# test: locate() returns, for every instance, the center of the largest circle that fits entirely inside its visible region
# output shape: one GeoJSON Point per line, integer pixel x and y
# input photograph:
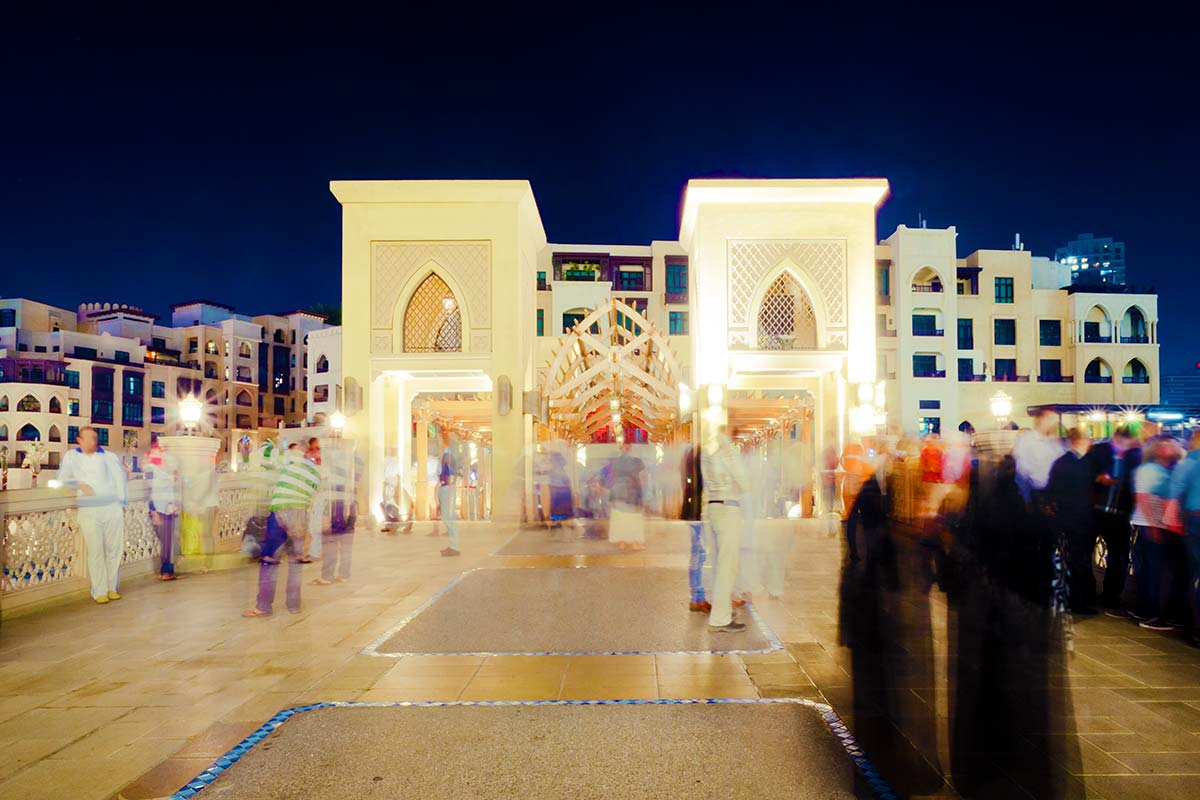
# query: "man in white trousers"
{"type": "Point", "coordinates": [99, 478]}
{"type": "Point", "coordinates": [724, 486]}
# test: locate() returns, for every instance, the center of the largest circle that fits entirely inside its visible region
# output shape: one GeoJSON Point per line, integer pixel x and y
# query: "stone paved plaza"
{"type": "Point", "coordinates": [134, 699]}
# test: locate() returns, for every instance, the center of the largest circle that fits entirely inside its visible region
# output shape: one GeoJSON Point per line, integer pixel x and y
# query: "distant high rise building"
{"type": "Point", "coordinates": [1093, 259]}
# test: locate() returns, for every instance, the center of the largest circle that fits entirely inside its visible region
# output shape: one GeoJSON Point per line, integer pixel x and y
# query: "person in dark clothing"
{"type": "Point", "coordinates": [693, 511]}
{"type": "Point", "coordinates": [1113, 464]}
{"type": "Point", "coordinates": [1069, 493]}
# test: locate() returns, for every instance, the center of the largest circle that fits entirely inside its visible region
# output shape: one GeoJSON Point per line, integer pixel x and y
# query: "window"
{"type": "Point", "coordinates": [244, 350]}
{"type": "Point", "coordinates": [678, 323]}
{"type": "Point", "coordinates": [883, 281]}
{"type": "Point", "coordinates": [158, 344]}
{"type": "Point", "coordinates": [243, 374]}
{"type": "Point", "coordinates": [321, 393]}
{"type": "Point", "coordinates": [541, 322]}
{"type": "Point", "coordinates": [102, 381]}
{"type": "Point", "coordinates": [966, 334]}
{"type": "Point", "coordinates": [323, 364]}
{"type": "Point", "coordinates": [134, 384]}
{"type": "Point", "coordinates": [72, 379]}
{"type": "Point", "coordinates": [631, 279]}
{"type": "Point", "coordinates": [1091, 332]}
{"type": "Point", "coordinates": [925, 366]}
{"type": "Point", "coordinates": [55, 406]}
{"type": "Point", "coordinates": [926, 405]}
{"type": "Point", "coordinates": [102, 436]}
{"type": "Point", "coordinates": [158, 415]}
{"type": "Point", "coordinates": [927, 426]}
{"type": "Point", "coordinates": [541, 282]}
{"type": "Point", "coordinates": [102, 411]}
{"type": "Point", "coordinates": [1005, 331]}
{"type": "Point", "coordinates": [73, 408]}
{"type": "Point", "coordinates": [1050, 332]}
{"type": "Point", "coordinates": [39, 348]}
{"type": "Point", "coordinates": [158, 389]}
{"type": "Point", "coordinates": [279, 407]}
{"type": "Point", "coordinates": [8, 318]}
{"type": "Point", "coordinates": [1050, 370]}
{"type": "Point", "coordinates": [1006, 369]}
{"type": "Point", "coordinates": [72, 434]}
{"type": "Point", "coordinates": [1004, 290]}
{"type": "Point", "coordinates": [580, 270]}
{"type": "Point", "coordinates": [1135, 372]}
{"type": "Point", "coordinates": [84, 352]}
{"type": "Point", "coordinates": [121, 357]}
{"type": "Point", "coordinates": [966, 369]}
{"type": "Point", "coordinates": [677, 278]}
{"type": "Point", "coordinates": [193, 345]}
{"type": "Point", "coordinates": [131, 412]}
{"type": "Point", "coordinates": [29, 404]}
{"type": "Point", "coordinates": [571, 319]}
{"type": "Point", "coordinates": [924, 325]}
{"type": "Point", "coordinates": [210, 347]}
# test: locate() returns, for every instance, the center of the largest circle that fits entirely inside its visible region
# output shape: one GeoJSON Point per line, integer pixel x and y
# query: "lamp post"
{"type": "Point", "coordinates": [1001, 404]}
{"type": "Point", "coordinates": [189, 413]}
{"type": "Point", "coordinates": [338, 423]}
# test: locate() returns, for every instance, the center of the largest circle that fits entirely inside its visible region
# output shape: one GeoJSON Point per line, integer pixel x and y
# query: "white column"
{"type": "Point", "coordinates": [375, 438]}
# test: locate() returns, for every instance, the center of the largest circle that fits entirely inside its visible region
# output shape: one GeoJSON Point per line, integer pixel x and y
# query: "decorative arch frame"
{"type": "Point", "coordinates": [936, 273]}
{"type": "Point", "coordinates": [418, 277]}
{"type": "Point", "coordinates": [54, 434]}
{"type": "Point", "coordinates": [1132, 307]}
{"type": "Point", "coordinates": [1130, 371]}
{"type": "Point", "coordinates": [55, 405]}
{"type": "Point", "coordinates": [37, 403]}
{"type": "Point", "coordinates": [3, 402]}
{"type": "Point", "coordinates": [820, 313]}
{"type": "Point", "coordinates": [322, 364]}
{"type": "Point", "coordinates": [3, 432]}
{"type": "Point", "coordinates": [28, 426]}
{"type": "Point", "coordinates": [1103, 364]}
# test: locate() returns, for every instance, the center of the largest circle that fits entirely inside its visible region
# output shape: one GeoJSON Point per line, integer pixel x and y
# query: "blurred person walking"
{"type": "Point", "coordinates": [1068, 493]}
{"type": "Point", "coordinates": [724, 485]}
{"type": "Point", "coordinates": [298, 481]}
{"type": "Point", "coordinates": [627, 526]}
{"type": "Point", "coordinates": [1113, 464]}
{"type": "Point", "coordinates": [448, 482]}
{"type": "Point", "coordinates": [98, 478]}
{"type": "Point", "coordinates": [313, 533]}
{"type": "Point", "coordinates": [1034, 454]}
{"type": "Point", "coordinates": [163, 474]}
{"type": "Point", "coordinates": [1185, 520]}
{"type": "Point", "coordinates": [1157, 551]}
{"type": "Point", "coordinates": [693, 512]}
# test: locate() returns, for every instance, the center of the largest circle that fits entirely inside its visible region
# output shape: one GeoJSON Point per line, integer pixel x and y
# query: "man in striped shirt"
{"type": "Point", "coordinates": [296, 485]}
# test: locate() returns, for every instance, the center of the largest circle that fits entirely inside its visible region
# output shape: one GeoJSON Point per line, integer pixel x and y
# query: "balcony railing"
{"type": "Point", "coordinates": [928, 287]}
{"type": "Point", "coordinates": [1005, 378]}
{"type": "Point", "coordinates": [675, 298]}
{"type": "Point", "coordinates": [1136, 379]}
{"type": "Point", "coordinates": [930, 332]}
{"type": "Point", "coordinates": [1135, 339]}
{"type": "Point", "coordinates": [971, 378]}
{"type": "Point", "coordinates": [1056, 378]}
{"type": "Point", "coordinates": [1097, 378]}
{"type": "Point", "coordinates": [929, 373]}
{"type": "Point", "coordinates": [1095, 338]}
{"type": "Point", "coordinates": [543, 286]}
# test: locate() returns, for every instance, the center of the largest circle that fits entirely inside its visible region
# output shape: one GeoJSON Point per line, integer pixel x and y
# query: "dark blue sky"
{"type": "Point", "coordinates": [151, 174]}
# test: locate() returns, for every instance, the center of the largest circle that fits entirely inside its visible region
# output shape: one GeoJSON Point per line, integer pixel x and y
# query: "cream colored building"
{"type": "Point", "coordinates": [955, 331]}
{"type": "Point", "coordinates": [446, 286]}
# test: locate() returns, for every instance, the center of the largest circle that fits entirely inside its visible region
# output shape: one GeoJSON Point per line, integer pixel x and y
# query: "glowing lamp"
{"type": "Point", "coordinates": [190, 410]}
{"type": "Point", "coordinates": [715, 393]}
{"type": "Point", "coordinates": [1001, 404]}
{"type": "Point", "coordinates": [337, 421]}
{"type": "Point", "coordinates": [865, 393]}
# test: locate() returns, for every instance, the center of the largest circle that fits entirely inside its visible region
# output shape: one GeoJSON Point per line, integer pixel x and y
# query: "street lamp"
{"type": "Point", "coordinates": [189, 413]}
{"type": "Point", "coordinates": [337, 421]}
{"type": "Point", "coordinates": [1001, 403]}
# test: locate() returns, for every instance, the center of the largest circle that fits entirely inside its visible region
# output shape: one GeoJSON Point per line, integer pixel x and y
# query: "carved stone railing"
{"type": "Point", "coordinates": [42, 553]}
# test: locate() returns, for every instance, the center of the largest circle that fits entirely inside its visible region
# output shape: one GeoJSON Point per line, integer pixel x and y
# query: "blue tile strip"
{"type": "Point", "coordinates": [879, 785]}
{"type": "Point", "coordinates": [773, 642]}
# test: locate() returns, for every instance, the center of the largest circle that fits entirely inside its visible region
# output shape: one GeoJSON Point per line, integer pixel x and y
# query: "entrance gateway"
{"type": "Point", "coordinates": [467, 325]}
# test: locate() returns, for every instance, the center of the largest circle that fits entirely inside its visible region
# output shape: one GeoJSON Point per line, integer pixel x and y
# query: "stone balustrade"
{"type": "Point", "coordinates": [42, 550]}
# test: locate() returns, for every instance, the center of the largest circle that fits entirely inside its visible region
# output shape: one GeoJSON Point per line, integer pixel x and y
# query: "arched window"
{"type": "Point", "coordinates": [1097, 371]}
{"type": "Point", "coordinates": [432, 321]}
{"type": "Point", "coordinates": [1097, 327]}
{"type": "Point", "coordinates": [243, 398]}
{"type": "Point", "coordinates": [1133, 327]}
{"type": "Point", "coordinates": [55, 405]}
{"type": "Point", "coordinates": [244, 350]}
{"type": "Point", "coordinates": [279, 336]}
{"type": "Point", "coordinates": [30, 404]}
{"type": "Point", "coordinates": [322, 364]}
{"type": "Point", "coordinates": [3, 402]}
{"type": "Point", "coordinates": [3, 433]}
{"type": "Point", "coordinates": [55, 434]}
{"type": "Point", "coordinates": [1135, 372]}
{"type": "Point", "coordinates": [28, 433]}
{"type": "Point", "coordinates": [966, 427]}
{"type": "Point", "coordinates": [786, 320]}
{"type": "Point", "coordinates": [927, 280]}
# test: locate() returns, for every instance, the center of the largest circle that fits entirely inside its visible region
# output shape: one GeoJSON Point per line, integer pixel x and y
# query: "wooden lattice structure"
{"type": "Point", "coordinates": [613, 353]}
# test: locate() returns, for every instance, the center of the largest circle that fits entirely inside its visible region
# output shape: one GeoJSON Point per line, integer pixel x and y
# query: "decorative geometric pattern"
{"type": "Point", "coordinates": [39, 548]}
{"type": "Point", "coordinates": [236, 508]}
{"type": "Point", "coordinates": [381, 343]}
{"type": "Point", "coordinates": [879, 785]}
{"type": "Point", "coordinates": [395, 262]}
{"type": "Point", "coordinates": [141, 542]}
{"type": "Point", "coordinates": [786, 320]}
{"type": "Point", "coordinates": [821, 261]}
{"type": "Point", "coordinates": [481, 342]}
{"type": "Point", "coordinates": [432, 322]}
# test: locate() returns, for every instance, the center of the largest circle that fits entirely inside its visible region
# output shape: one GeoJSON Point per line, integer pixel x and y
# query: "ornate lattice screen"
{"type": "Point", "coordinates": [432, 321]}
{"type": "Point", "coordinates": [786, 320]}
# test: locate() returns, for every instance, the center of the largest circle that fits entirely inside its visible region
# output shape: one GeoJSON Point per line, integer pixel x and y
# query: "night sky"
{"type": "Point", "coordinates": [149, 170]}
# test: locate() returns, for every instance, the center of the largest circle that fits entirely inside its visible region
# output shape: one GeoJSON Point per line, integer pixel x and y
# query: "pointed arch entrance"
{"type": "Point", "coordinates": [432, 319]}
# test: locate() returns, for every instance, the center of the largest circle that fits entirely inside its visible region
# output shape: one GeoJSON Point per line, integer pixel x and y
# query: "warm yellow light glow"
{"type": "Point", "coordinates": [865, 393]}
{"type": "Point", "coordinates": [189, 411]}
{"type": "Point", "coordinates": [716, 392]}
{"type": "Point", "coordinates": [881, 395]}
{"type": "Point", "coordinates": [862, 419]}
{"type": "Point", "coordinates": [685, 400]}
{"type": "Point", "coordinates": [1001, 404]}
{"type": "Point", "coordinates": [337, 421]}
{"type": "Point", "coordinates": [581, 455]}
